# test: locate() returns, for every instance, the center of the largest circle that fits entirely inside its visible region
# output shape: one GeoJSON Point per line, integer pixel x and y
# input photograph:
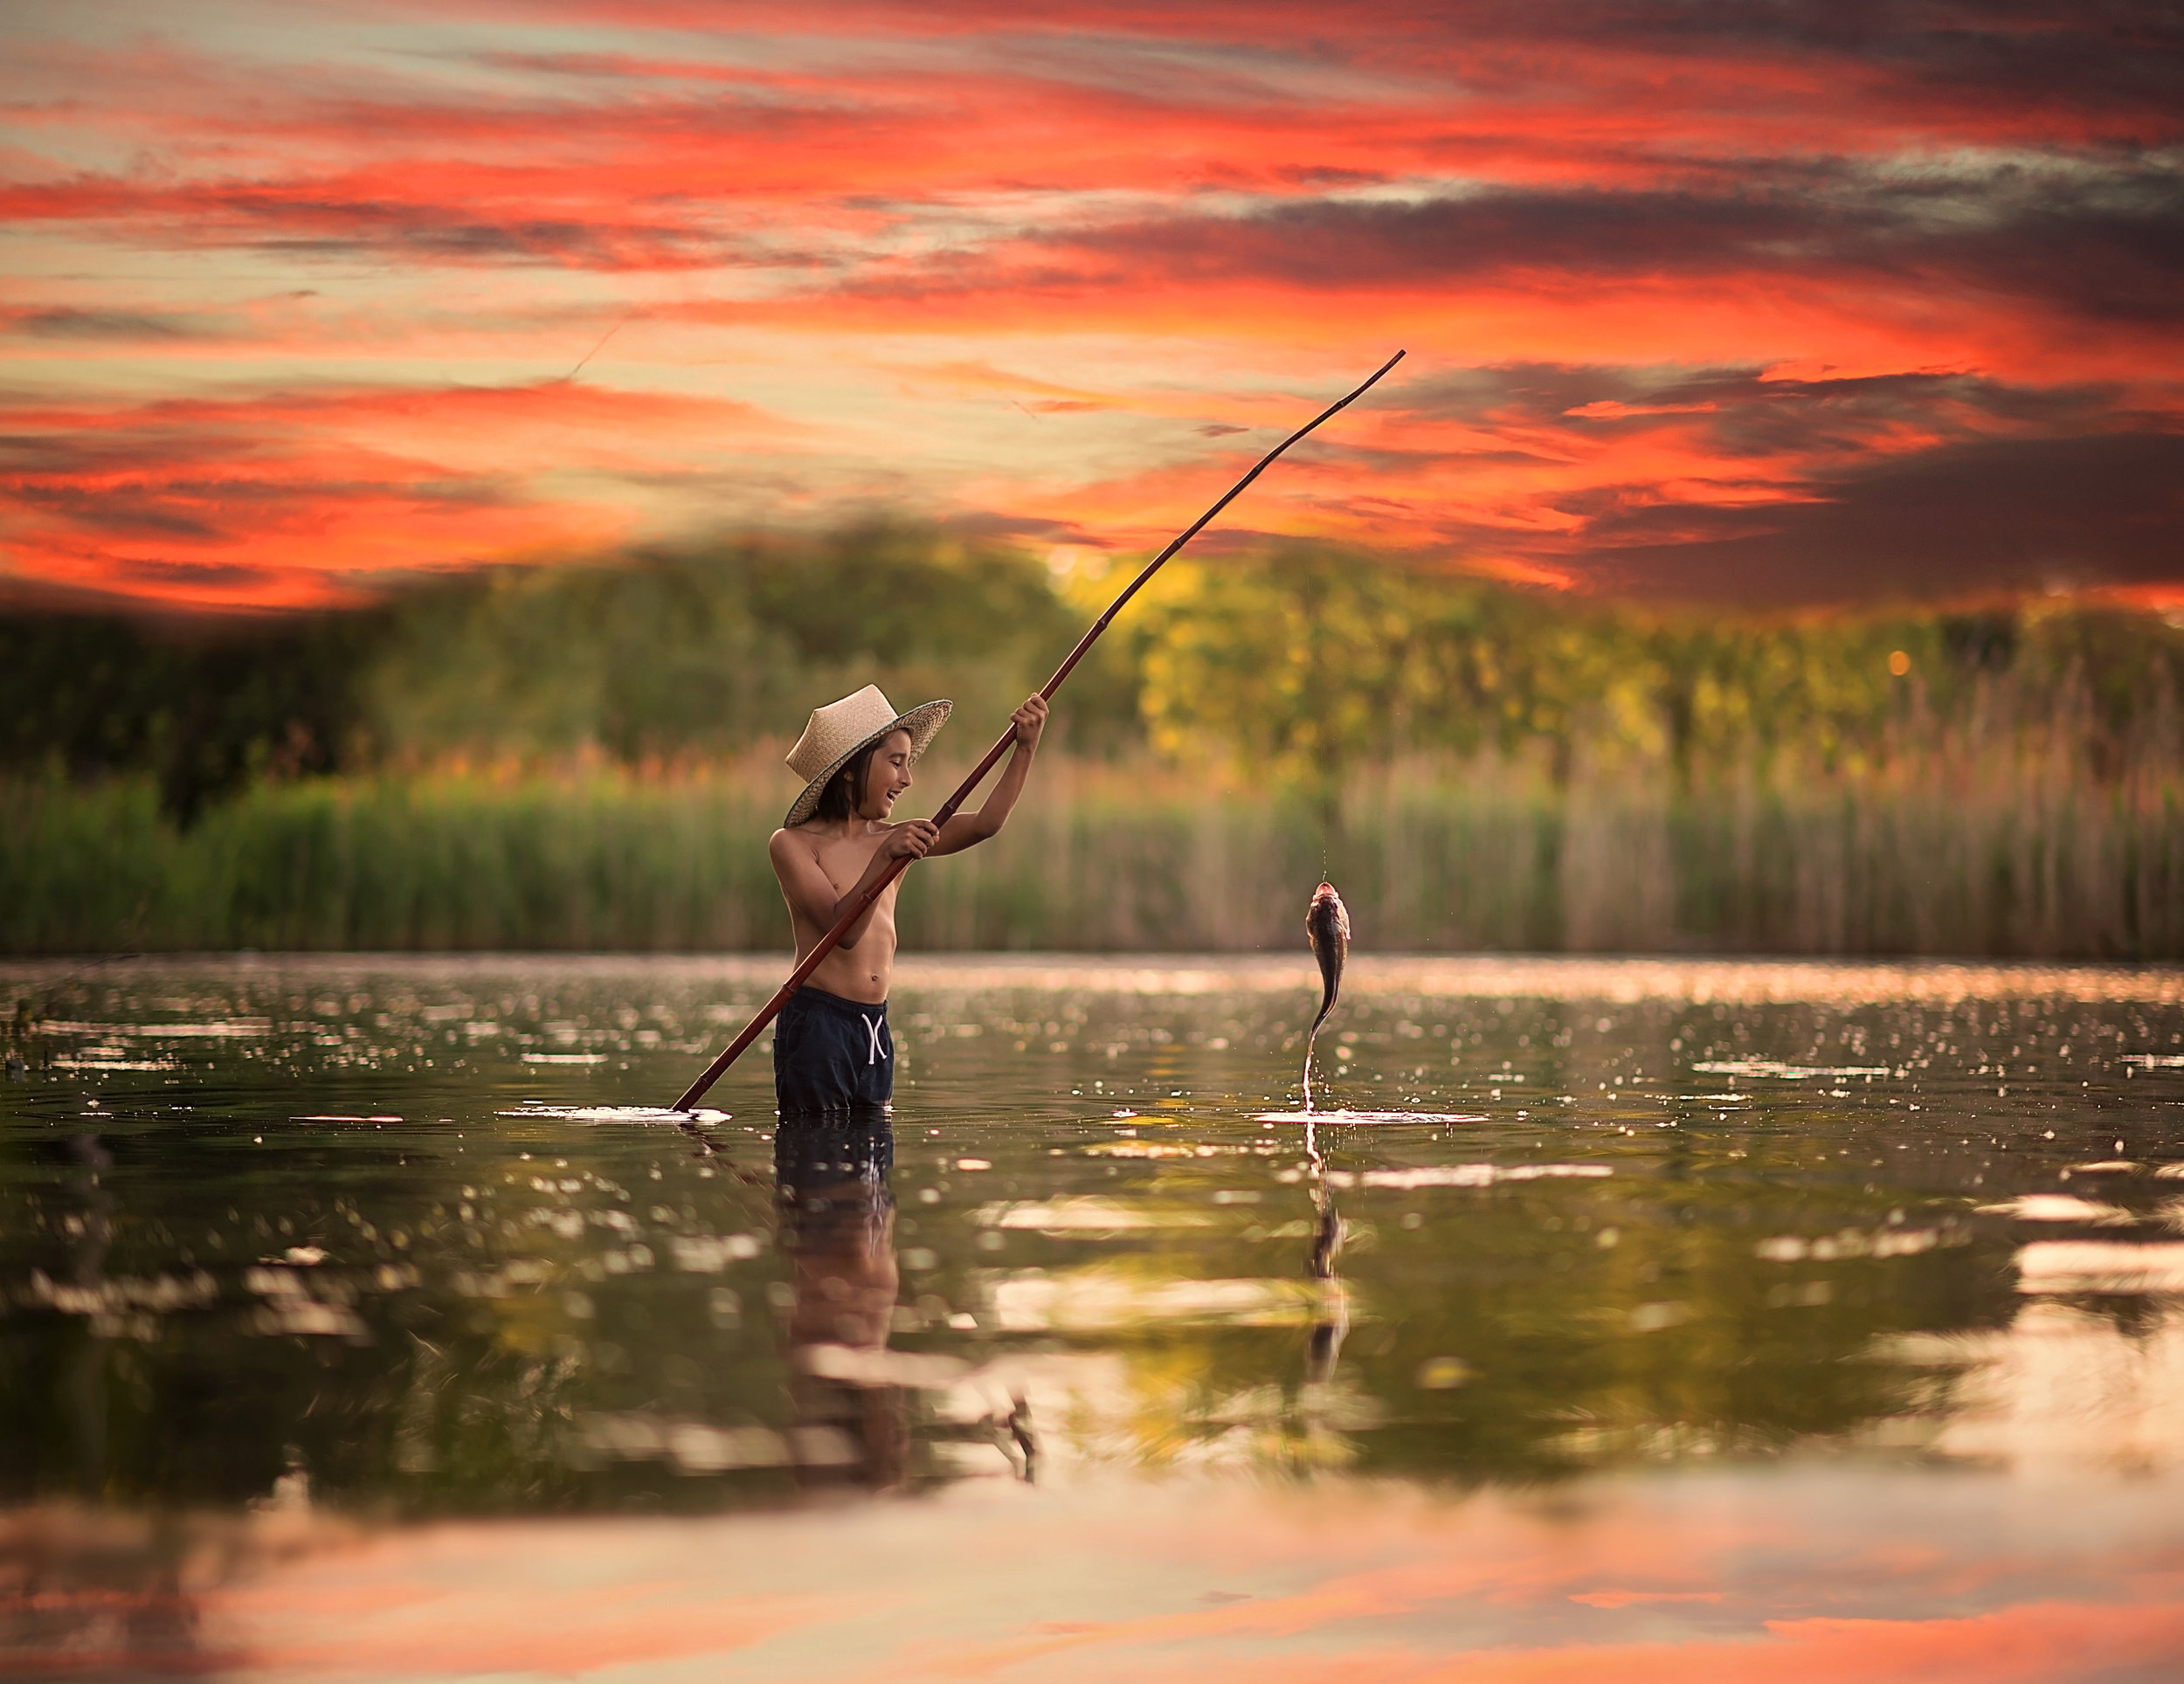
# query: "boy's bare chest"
{"type": "Point", "coordinates": [844, 862]}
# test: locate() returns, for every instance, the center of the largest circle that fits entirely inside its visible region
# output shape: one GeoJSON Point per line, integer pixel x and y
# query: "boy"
{"type": "Point", "coordinates": [831, 1045]}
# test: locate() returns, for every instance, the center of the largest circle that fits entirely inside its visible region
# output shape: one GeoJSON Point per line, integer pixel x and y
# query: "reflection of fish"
{"type": "Point", "coordinates": [1326, 1244]}
{"type": "Point", "coordinates": [1330, 1320]}
{"type": "Point", "coordinates": [1327, 922]}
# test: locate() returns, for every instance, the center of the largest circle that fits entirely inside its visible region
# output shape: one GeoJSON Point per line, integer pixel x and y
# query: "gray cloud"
{"type": "Point", "coordinates": [123, 325]}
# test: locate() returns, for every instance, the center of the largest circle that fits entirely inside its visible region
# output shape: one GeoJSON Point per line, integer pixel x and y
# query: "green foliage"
{"type": "Point", "coordinates": [1478, 765]}
{"type": "Point", "coordinates": [2019, 858]}
{"type": "Point", "coordinates": [665, 654]}
{"type": "Point", "coordinates": [1298, 665]}
{"type": "Point", "coordinates": [205, 708]}
{"type": "Point", "coordinates": [1307, 663]}
{"type": "Point", "coordinates": [703, 652]}
{"type": "Point", "coordinates": [1302, 662]}
{"type": "Point", "coordinates": [390, 863]}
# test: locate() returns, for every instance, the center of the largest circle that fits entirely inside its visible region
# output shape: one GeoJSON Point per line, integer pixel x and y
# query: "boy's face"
{"type": "Point", "coordinates": [888, 776]}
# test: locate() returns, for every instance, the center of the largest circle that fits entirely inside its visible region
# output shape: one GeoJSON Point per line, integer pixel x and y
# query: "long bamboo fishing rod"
{"type": "Point", "coordinates": [826, 943]}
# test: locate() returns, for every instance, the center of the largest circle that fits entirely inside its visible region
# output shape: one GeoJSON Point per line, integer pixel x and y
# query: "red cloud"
{"type": "Point", "coordinates": [295, 500]}
{"type": "Point", "coordinates": [1105, 196]}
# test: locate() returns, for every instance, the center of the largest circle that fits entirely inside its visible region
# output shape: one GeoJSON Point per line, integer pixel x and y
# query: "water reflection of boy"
{"type": "Point", "coordinates": [837, 1228]}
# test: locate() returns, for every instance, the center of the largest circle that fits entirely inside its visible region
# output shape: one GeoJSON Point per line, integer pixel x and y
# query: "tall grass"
{"type": "Point", "coordinates": [439, 862]}
{"type": "Point", "coordinates": [1958, 848]}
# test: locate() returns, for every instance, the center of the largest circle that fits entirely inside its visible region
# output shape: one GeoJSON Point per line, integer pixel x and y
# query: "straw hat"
{"type": "Point", "coordinates": [838, 732]}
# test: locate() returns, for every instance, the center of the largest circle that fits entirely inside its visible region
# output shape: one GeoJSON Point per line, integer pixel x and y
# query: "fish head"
{"type": "Point", "coordinates": [1327, 915]}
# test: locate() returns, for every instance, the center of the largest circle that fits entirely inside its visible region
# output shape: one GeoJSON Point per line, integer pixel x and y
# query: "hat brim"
{"type": "Point", "coordinates": [923, 722]}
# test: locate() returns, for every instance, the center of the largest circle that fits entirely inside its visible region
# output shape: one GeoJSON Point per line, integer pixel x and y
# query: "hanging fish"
{"type": "Point", "coordinates": [1327, 923]}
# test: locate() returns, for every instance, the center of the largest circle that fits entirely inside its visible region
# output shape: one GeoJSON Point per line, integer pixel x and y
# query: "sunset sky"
{"type": "Point", "coordinates": [1764, 302]}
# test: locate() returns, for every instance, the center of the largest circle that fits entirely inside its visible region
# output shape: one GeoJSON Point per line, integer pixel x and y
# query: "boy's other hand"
{"type": "Point", "coordinates": [910, 840]}
{"type": "Point", "coordinates": [1030, 721]}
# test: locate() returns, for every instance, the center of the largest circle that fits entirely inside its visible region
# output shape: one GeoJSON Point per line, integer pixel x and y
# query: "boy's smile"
{"type": "Point", "coordinates": [887, 776]}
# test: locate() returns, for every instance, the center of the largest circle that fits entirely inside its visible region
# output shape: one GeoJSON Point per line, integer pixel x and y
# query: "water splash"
{"type": "Point", "coordinates": [640, 1114]}
{"type": "Point", "coordinates": [1333, 1119]}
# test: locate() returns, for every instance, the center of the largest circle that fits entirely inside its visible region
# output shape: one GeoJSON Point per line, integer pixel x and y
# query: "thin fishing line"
{"type": "Point", "coordinates": [601, 346]}
{"type": "Point", "coordinates": [812, 959]}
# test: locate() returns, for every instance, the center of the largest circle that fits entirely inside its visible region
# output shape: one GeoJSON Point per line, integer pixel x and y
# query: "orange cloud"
{"type": "Point", "coordinates": [294, 501]}
{"type": "Point", "coordinates": [1147, 225]}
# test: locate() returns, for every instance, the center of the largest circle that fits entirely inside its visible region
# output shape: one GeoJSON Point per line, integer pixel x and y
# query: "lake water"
{"type": "Point", "coordinates": [358, 1317]}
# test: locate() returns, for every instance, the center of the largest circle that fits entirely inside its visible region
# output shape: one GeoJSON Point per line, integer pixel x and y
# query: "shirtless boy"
{"type": "Point", "coordinates": [831, 1045]}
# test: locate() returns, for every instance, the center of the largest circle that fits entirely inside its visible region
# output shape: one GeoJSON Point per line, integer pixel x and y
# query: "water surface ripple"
{"type": "Point", "coordinates": [1654, 1304]}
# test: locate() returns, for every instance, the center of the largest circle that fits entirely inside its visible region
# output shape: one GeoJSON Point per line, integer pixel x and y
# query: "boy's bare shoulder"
{"type": "Point", "coordinates": [811, 838]}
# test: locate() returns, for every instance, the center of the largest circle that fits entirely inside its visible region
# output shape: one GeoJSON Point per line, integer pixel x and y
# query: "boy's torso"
{"type": "Point", "coordinates": [864, 971]}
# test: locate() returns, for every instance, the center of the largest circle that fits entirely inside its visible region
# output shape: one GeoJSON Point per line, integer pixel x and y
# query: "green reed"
{"type": "Point", "coordinates": [1949, 850]}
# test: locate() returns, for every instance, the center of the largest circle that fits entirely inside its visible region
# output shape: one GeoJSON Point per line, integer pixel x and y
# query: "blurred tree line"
{"type": "Point", "coordinates": [1311, 663]}
{"type": "Point", "coordinates": [659, 656]}
{"type": "Point", "coordinates": [203, 707]}
{"type": "Point", "coordinates": [1299, 661]}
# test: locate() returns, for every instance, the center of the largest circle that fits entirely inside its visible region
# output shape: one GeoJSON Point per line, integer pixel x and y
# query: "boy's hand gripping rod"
{"type": "Point", "coordinates": [797, 978]}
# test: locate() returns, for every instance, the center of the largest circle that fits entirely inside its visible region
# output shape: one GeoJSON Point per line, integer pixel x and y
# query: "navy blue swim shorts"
{"type": "Point", "coordinates": [830, 1053]}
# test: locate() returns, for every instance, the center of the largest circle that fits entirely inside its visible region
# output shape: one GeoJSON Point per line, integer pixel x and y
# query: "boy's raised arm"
{"type": "Point", "coordinates": [965, 830]}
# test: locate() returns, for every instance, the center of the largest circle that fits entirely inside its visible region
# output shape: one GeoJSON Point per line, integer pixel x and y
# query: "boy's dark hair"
{"type": "Point", "coordinates": [838, 800]}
